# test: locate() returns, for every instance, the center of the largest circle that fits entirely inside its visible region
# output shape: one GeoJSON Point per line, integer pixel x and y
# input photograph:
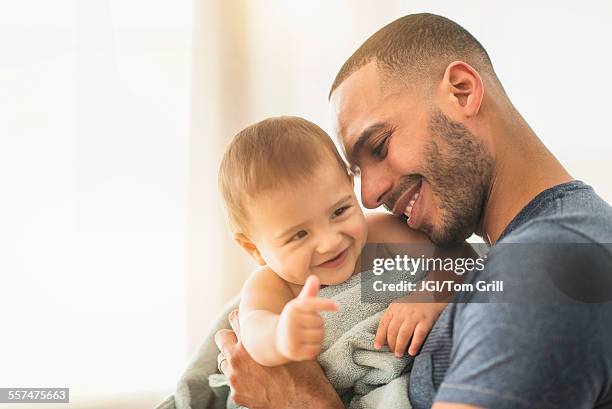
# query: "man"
{"type": "Point", "coordinates": [422, 116]}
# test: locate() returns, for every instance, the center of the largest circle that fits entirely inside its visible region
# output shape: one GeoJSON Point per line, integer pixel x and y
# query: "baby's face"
{"type": "Point", "coordinates": [315, 228]}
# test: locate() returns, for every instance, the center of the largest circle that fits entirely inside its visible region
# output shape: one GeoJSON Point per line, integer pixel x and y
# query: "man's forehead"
{"type": "Point", "coordinates": [355, 101]}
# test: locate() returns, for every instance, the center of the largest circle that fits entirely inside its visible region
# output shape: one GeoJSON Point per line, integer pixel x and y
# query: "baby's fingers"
{"type": "Point", "coordinates": [392, 331]}
{"type": "Point", "coordinates": [403, 337]}
{"type": "Point", "coordinates": [381, 333]}
{"type": "Point", "coordinates": [308, 352]}
{"type": "Point", "coordinates": [310, 320]}
{"type": "Point", "coordinates": [316, 304]}
{"type": "Point", "coordinates": [420, 333]}
{"type": "Point", "coordinates": [312, 336]}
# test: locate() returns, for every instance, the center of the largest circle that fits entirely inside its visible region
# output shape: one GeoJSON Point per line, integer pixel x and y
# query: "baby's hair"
{"type": "Point", "coordinates": [275, 153]}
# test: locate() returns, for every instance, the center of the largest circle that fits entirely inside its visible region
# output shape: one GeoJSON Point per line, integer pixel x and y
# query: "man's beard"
{"type": "Point", "coordinates": [458, 168]}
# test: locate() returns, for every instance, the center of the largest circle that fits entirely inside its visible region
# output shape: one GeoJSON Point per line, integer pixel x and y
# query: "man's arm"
{"type": "Point", "coordinates": [296, 385]}
{"type": "Point", "coordinates": [519, 356]}
{"type": "Point", "coordinates": [534, 350]}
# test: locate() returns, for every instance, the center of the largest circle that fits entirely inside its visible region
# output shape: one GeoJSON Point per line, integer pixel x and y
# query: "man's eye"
{"type": "Point", "coordinates": [299, 235]}
{"type": "Point", "coordinates": [340, 211]}
{"type": "Point", "coordinates": [380, 150]}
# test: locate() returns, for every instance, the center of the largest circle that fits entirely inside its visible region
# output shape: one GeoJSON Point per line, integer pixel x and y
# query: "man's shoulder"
{"type": "Point", "coordinates": [570, 213]}
{"type": "Point", "coordinates": [551, 242]}
{"type": "Point", "coordinates": [568, 228]}
{"type": "Point", "coordinates": [549, 262]}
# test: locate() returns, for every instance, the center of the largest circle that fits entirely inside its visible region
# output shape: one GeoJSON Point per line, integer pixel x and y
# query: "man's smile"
{"type": "Point", "coordinates": [404, 205]}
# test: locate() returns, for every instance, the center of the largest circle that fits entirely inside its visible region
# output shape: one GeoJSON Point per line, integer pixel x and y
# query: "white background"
{"type": "Point", "coordinates": [94, 132]}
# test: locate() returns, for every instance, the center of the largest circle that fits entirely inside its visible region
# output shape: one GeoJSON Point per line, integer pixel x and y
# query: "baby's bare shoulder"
{"type": "Point", "coordinates": [266, 290]}
{"type": "Point", "coordinates": [264, 278]}
{"type": "Point", "coordinates": [386, 228]}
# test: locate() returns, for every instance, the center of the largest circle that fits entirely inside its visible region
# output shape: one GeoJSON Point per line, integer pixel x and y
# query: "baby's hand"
{"type": "Point", "coordinates": [300, 327]}
{"type": "Point", "coordinates": [403, 321]}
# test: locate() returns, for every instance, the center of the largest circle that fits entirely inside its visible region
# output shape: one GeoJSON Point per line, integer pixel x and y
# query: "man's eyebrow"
{"type": "Point", "coordinates": [362, 139]}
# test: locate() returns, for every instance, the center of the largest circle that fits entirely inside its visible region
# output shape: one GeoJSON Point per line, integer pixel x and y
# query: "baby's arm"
{"type": "Point", "coordinates": [276, 327]}
{"type": "Point", "coordinates": [386, 228]}
{"type": "Point", "coordinates": [263, 297]}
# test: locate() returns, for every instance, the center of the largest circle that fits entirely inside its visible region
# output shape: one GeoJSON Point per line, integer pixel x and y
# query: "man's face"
{"type": "Point", "coordinates": [412, 158]}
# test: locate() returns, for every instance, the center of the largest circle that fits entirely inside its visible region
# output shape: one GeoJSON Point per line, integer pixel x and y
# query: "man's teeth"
{"type": "Point", "coordinates": [408, 209]}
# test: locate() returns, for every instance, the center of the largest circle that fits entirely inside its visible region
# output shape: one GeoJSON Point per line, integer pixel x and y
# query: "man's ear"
{"type": "Point", "coordinates": [250, 247]}
{"type": "Point", "coordinates": [463, 88]}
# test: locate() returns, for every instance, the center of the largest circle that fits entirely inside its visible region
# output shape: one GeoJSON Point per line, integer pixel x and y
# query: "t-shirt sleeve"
{"type": "Point", "coordinates": [532, 354]}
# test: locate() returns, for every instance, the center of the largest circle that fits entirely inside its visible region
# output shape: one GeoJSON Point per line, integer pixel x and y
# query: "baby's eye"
{"type": "Point", "coordinates": [299, 235]}
{"type": "Point", "coordinates": [340, 211]}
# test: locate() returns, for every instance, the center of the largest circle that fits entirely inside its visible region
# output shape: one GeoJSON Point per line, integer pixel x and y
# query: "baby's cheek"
{"type": "Point", "coordinates": [289, 266]}
{"type": "Point", "coordinates": [298, 266]}
{"type": "Point", "coordinates": [362, 232]}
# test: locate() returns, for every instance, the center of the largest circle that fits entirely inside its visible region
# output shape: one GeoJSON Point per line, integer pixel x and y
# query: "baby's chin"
{"type": "Point", "coordinates": [334, 279]}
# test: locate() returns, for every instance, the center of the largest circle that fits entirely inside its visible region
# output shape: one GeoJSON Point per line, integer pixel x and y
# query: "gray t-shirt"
{"type": "Point", "coordinates": [532, 353]}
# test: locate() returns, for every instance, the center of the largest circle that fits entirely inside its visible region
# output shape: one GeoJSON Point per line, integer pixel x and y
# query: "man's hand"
{"type": "Point", "coordinates": [296, 385]}
{"type": "Point", "coordinates": [405, 322]}
{"type": "Point", "coordinates": [299, 332]}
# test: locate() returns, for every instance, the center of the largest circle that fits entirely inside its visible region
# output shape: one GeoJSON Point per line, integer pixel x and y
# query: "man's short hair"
{"type": "Point", "coordinates": [417, 47]}
{"type": "Point", "coordinates": [275, 153]}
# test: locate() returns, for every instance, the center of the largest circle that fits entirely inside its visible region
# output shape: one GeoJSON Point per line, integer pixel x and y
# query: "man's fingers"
{"type": "Point", "coordinates": [311, 287]}
{"type": "Point", "coordinates": [403, 337]}
{"type": "Point", "coordinates": [235, 322]}
{"type": "Point", "coordinates": [221, 362]}
{"type": "Point", "coordinates": [381, 332]}
{"type": "Point", "coordinates": [420, 333]}
{"type": "Point", "coordinates": [317, 304]}
{"type": "Point", "coordinates": [225, 340]}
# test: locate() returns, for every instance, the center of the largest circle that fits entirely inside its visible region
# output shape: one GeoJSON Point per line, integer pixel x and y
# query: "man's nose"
{"type": "Point", "coordinates": [373, 189]}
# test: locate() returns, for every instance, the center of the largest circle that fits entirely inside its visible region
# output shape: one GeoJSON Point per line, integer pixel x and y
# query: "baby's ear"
{"type": "Point", "coordinates": [250, 247]}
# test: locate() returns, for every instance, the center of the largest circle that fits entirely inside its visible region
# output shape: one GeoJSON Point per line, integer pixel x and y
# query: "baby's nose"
{"type": "Point", "coordinates": [330, 243]}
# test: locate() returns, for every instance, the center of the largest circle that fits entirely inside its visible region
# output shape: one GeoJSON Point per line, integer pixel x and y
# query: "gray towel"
{"type": "Point", "coordinates": [364, 377]}
{"type": "Point", "coordinates": [193, 390]}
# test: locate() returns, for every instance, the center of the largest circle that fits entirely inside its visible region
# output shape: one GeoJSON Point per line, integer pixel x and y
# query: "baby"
{"type": "Point", "coordinates": [292, 206]}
